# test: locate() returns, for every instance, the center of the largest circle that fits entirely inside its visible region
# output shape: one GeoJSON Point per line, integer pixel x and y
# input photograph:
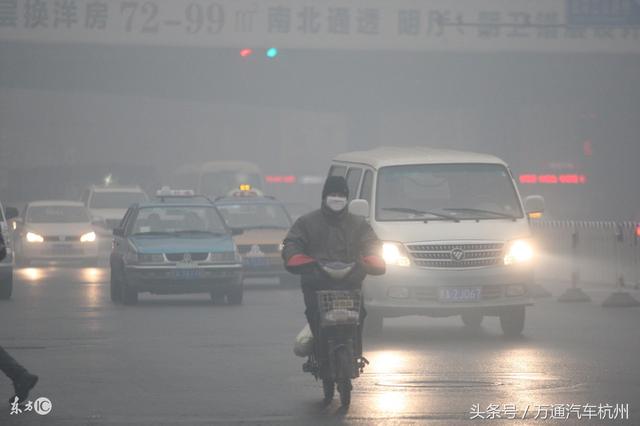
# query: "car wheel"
{"type": "Point", "coordinates": [129, 295]}
{"type": "Point", "coordinates": [115, 287]}
{"type": "Point", "coordinates": [373, 324]}
{"type": "Point", "coordinates": [512, 320]}
{"type": "Point", "coordinates": [234, 295]}
{"type": "Point", "coordinates": [472, 320]}
{"type": "Point", "coordinates": [6, 285]}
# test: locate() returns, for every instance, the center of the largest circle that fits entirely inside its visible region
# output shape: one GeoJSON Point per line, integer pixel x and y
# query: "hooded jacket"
{"type": "Point", "coordinates": [324, 235]}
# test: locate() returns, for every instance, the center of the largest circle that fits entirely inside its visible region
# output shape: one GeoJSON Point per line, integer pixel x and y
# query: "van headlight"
{"type": "Point", "coordinates": [395, 254]}
{"type": "Point", "coordinates": [89, 237]}
{"type": "Point", "coordinates": [34, 238]}
{"type": "Point", "coordinates": [518, 251]}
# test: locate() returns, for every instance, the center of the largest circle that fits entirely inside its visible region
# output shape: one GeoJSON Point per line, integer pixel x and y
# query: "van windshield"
{"type": "Point", "coordinates": [446, 192]}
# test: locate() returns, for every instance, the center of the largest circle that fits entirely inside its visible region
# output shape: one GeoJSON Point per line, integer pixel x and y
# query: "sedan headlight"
{"type": "Point", "coordinates": [89, 237]}
{"type": "Point", "coordinates": [518, 251]}
{"type": "Point", "coordinates": [34, 238]}
{"type": "Point", "coordinates": [395, 254]}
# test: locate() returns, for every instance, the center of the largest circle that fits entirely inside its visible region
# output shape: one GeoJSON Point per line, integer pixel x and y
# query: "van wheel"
{"type": "Point", "coordinates": [373, 324]}
{"type": "Point", "coordinates": [472, 320]}
{"type": "Point", "coordinates": [512, 320]}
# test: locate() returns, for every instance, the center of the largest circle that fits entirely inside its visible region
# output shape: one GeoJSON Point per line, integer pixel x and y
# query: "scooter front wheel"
{"type": "Point", "coordinates": [344, 388]}
{"type": "Point", "coordinates": [329, 390]}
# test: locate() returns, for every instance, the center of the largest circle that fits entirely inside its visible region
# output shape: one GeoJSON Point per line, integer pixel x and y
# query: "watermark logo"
{"type": "Point", "coordinates": [42, 406]}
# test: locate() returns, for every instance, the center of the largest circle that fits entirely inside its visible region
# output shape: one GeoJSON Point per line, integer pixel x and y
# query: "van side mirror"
{"type": "Point", "coordinates": [534, 206]}
{"type": "Point", "coordinates": [359, 208]}
{"type": "Point", "coordinates": [11, 213]}
{"type": "Point", "coordinates": [118, 232]}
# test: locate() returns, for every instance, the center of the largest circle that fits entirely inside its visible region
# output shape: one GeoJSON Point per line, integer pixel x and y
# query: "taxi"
{"type": "Point", "coordinates": [175, 245]}
{"type": "Point", "coordinates": [264, 222]}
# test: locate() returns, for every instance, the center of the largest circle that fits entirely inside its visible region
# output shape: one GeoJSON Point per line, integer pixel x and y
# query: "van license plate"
{"type": "Point", "coordinates": [187, 274]}
{"type": "Point", "coordinates": [459, 294]}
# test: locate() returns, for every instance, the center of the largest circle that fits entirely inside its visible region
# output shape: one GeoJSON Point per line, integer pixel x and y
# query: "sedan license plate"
{"type": "Point", "coordinates": [459, 294]}
{"type": "Point", "coordinates": [187, 274]}
{"type": "Point", "coordinates": [256, 262]}
{"type": "Point", "coordinates": [63, 249]}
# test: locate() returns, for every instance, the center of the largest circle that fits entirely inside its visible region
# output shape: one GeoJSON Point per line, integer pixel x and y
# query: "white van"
{"type": "Point", "coordinates": [456, 236]}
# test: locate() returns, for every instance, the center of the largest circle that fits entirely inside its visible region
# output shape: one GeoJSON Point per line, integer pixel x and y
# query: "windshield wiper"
{"type": "Point", "coordinates": [421, 212]}
{"type": "Point", "coordinates": [470, 210]}
{"type": "Point", "coordinates": [151, 233]}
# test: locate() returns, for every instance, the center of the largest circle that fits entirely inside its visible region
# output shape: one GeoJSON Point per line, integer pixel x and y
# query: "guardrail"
{"type": "Point", "coordinates": [583, 253]}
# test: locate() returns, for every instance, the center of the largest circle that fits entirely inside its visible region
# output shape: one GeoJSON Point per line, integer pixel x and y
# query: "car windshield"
{"type": "Point", "coordinates": [446, 192]}
{"type": "Point", "coordinates": [116, 200]}
{"type": "Point", "coordinates": [248, 216]}
{"type": "Point", "coordinates": [220, 183]}
{"type": "Point", "coordinates": [178, 220]}
{"type": "Point", "coordinates": [57, 214]}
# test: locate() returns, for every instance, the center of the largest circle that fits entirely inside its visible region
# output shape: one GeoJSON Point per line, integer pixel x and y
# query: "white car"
{"type": "Point", "coordinates": [108, 204]}
{"type": "Point", "coordinates": [55, 231]}
{"type": "Point", "coordinates": [456, 234]}
{"type": "Point", "coordinates": [6, 264]}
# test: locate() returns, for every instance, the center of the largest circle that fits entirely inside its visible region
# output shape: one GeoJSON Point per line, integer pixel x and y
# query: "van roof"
{"type": "Point", "coordinates": [396, 156]}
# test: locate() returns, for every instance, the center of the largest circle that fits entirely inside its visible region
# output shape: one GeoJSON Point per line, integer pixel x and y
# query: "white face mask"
{"type": "Point", "coordinates": [336, 203]}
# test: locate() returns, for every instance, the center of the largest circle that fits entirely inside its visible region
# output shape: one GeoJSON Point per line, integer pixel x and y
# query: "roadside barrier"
{"type": "Point", "coordinates": [586, 253]}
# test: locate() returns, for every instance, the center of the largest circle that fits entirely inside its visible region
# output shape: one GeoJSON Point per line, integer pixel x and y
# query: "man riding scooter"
{"type": "Point", "coordinates": [332, 235]}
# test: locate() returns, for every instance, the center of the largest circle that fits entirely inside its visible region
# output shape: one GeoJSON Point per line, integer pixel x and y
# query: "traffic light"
{"type": "Point", "coordinates": [272, 52]}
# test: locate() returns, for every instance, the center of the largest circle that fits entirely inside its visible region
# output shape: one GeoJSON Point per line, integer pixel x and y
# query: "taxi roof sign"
{"type": "Point", "coordinates": [168, 192]}
{"type": "Point", "coordinates": [245, 190]}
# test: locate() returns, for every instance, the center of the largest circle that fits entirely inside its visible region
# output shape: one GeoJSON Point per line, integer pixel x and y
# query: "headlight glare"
{"type": "Point", "coordinates": [34, 238]}
{"type": "Point", "coordinates": [89, 237]}
{"type": "Point", "coordinates": [394, 254]}
{"type": "Point", "coordinates": [518, 251]}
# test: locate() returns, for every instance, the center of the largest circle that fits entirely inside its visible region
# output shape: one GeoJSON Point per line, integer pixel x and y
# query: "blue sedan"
{"type": "Point", "coordinates": [174, 248]}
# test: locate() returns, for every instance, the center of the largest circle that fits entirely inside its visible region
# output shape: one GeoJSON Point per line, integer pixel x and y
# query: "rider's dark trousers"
{"type": "Point", "coordinates": [311, 312]}
{"type": "Point", "coordinates": [10, 366]}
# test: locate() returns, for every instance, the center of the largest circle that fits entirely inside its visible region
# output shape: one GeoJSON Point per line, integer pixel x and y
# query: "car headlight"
{"type": "Point", "coordinates": [150, 258]}
{"type": "Point", "coordinates": [34, 238]}
{"type": "Point", "coordinates": [89, 237]}
{"type": "Point", "coordinates": [395, 254]}
{"type": "Point", "coordinates": [518, 251]}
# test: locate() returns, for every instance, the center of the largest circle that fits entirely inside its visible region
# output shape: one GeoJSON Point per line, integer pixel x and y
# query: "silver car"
{"type": "Point", "coordinates": [55, 231]}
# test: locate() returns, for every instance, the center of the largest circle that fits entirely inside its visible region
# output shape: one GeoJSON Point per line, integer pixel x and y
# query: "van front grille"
{"type": "Point", "coordinates": [456, 255]}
